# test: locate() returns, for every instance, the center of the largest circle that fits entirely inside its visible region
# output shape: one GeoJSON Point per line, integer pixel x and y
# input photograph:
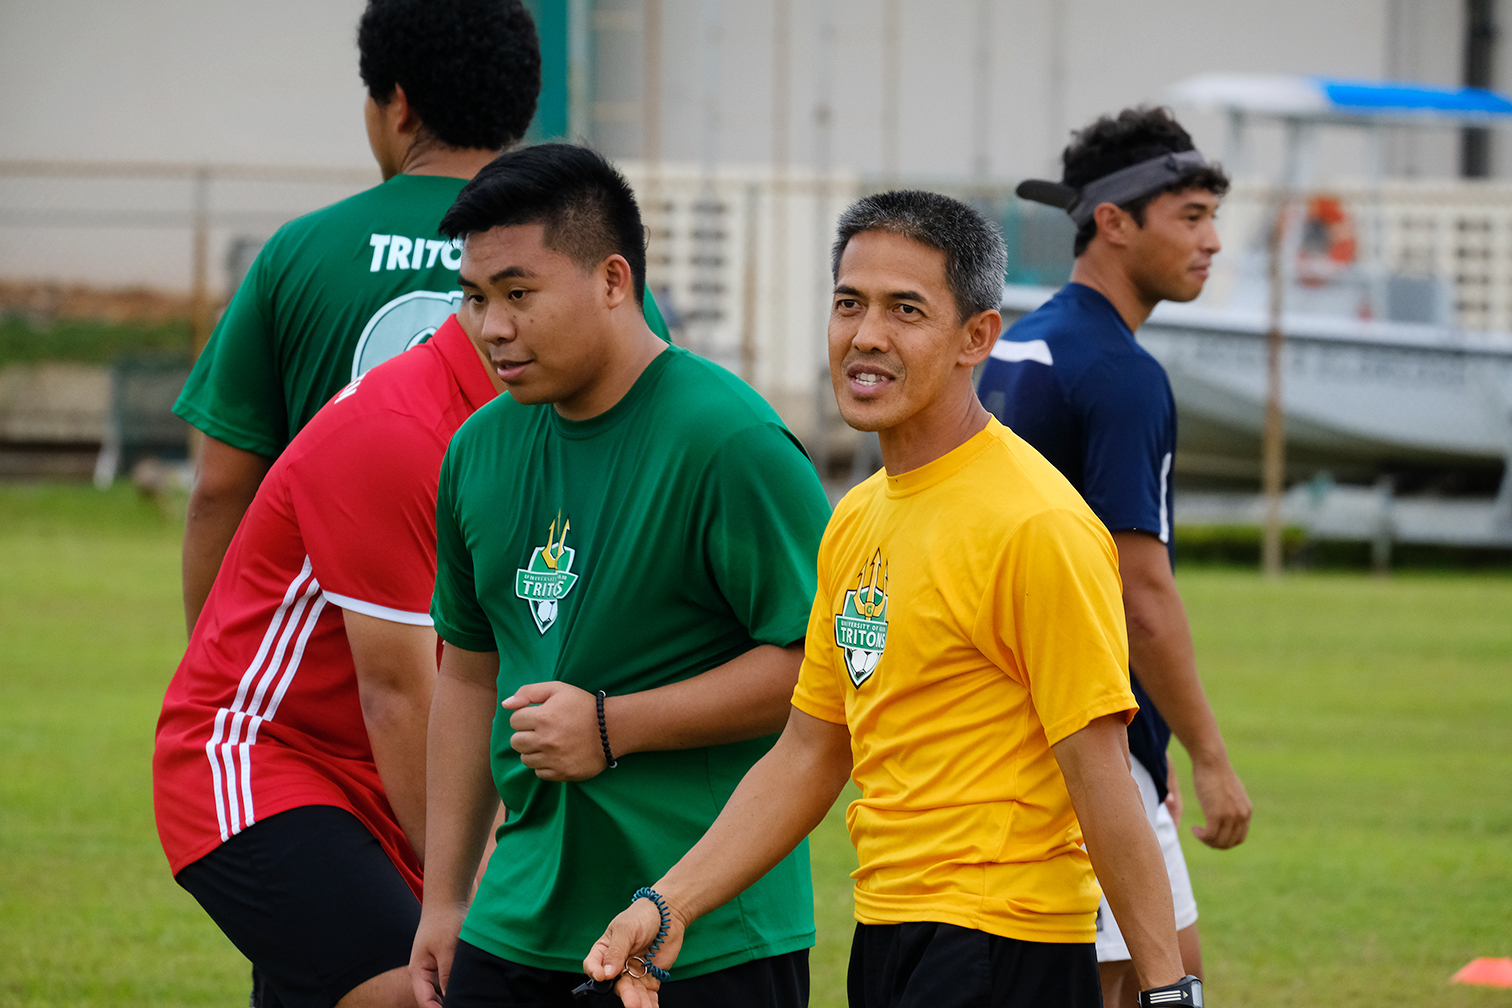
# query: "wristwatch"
{"type": "Point", "coordinates": [1186, 992]}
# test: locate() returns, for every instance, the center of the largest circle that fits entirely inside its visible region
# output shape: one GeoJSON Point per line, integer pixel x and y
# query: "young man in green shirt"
{"type": "Point", "coordinates": [625, 547]}
{"type": "Point", "coordinates": [450, 84]}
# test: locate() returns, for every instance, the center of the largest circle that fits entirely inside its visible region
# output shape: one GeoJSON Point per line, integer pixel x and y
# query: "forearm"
{"type": "Point", "coordinates": [1160, 647]}
{"type": "Point", "coordinates": [396, 724]}
{"type": "Point", "coordinates": [1126, 857]}
{"type": "Point", "coordinates": [461, 799]}
{"type": "Point", "coordinates": [1161, 655]}
{"type": "Point", "coordinates": [744, 698]}
{"type": "Point", "coordinates": [225, 481]}
{"type": "Point", "coordinates": [1123, 849]}
{"type": "Point", "coordinates": [778, 803]}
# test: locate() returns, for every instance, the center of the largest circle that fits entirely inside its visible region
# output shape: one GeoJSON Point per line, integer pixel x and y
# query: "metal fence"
{"type": "Point", "coordinates": [162, 226]}
{"type": "Point", "coordinates": [738, 257]}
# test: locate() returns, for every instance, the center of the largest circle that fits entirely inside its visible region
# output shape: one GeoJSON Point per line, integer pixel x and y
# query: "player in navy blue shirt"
{"type": "Point", "coordinates": [1071, 380]}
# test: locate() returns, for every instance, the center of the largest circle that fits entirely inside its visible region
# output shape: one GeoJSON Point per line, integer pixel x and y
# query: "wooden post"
{"type": "Point", "coordinates": [651, 86]}
{"type": "Point", "coordinates": [751, 279]}
{"type": "Point", "coordinates": [1273, 453]}
{"type": "Point", "coordinates": [199, 289]}
{"type": "Point", "coordinates": [892, 72]}
{"type": "Point", "coordinates": [199, 292]}
{"type": "Point", "coordinates": [781, 260]}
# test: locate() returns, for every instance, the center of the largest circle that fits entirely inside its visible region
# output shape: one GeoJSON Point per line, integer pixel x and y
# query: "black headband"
{"type": "Point", "coordinates": [1117, 187]}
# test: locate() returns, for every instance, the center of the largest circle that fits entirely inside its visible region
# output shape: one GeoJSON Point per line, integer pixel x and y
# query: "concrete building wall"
{"type": "Point", "coordinates": [273, 82]}
{"type": "Point", "coordinates": [276, 82]}
{"type": "Point", "coordinates": [919, 89]}
{"type": "Point", "coordinates": [1050, 66]}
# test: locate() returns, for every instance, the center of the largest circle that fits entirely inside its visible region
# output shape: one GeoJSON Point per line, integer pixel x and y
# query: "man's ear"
{"type": "Point", "coordinates": [618, 280]}
{"type": "Point", "coordinates": [1113, 223]}
{"type": "Point", "coordinates": [982, 331]}
{"type": "Point", "coordinates": [403, 115]}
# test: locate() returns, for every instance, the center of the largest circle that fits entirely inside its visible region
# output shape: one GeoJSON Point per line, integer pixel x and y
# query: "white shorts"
{"type": "Point", "coordinates": [1110, 941]}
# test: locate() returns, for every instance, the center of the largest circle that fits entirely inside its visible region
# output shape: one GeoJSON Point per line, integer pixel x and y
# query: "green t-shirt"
{"type": "Point", "coordinates": [642, 547]}
{"type": "Point", "coordinates": [330, 295]}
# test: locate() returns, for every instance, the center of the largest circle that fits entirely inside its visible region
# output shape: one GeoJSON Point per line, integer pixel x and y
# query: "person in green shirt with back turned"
{"type": "Point", "coordinates": [626, 548]}
{"type": "Point", "coordinates": [450, 83]}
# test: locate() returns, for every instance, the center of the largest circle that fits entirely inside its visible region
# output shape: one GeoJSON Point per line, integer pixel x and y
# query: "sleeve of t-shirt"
{"type": "Point", "coordinates": [364, 498]}
{"type": "Point", "coordinates": [235, 393]}
{"type": "Point", "coordinates": [820, 691]}
{"type": "Point", "coordinates": [1063, 619]}
{"type": "Point", "coordinates": [459, 618]}
{"type": "Point", "coordinates": [1128, 423]}
{"type": "Point", "coordinates": [766, 515]}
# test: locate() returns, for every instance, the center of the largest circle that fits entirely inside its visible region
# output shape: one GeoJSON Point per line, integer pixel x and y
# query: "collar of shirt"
{"type": "Point", "coordinates": [465, 364]}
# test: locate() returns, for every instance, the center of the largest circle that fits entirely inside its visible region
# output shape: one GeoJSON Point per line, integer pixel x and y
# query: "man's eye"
{"type": "Point", "coordinates": [908, 309]}
{"type": "Point", "coordinates": [516, 294]}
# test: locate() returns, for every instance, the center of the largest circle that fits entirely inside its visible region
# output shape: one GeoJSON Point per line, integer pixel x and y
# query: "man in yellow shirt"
{"type": "Point", "coordinates": [966, 663]}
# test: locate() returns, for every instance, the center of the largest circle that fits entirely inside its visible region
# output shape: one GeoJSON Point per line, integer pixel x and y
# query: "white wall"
{"type": "Point", "coordinates": [1055, 65]}
{"type": "Point", "coordinates": [271, 82]}
{"type": "Point", "coordinates": [276, 82]}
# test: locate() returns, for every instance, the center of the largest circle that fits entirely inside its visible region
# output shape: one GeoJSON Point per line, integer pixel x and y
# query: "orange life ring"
{"type": "Point", "coordinates": [1328, 242]}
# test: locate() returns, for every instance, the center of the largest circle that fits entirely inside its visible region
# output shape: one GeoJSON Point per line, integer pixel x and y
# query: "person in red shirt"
{"type": "Point", "coordinates": [289, 768]}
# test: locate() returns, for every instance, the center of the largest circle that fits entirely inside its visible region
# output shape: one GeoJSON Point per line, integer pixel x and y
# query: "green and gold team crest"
{"type": "Point", "coordinates": [549, 577]}
{"type": "Point", "coordinates": [861, 625]}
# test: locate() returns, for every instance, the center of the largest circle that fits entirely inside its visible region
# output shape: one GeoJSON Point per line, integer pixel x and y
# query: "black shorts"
{"type": "Point", "coordinates": [481, 979]}
{"type": "Point", "coordinates": [312, 899]}
{"type": "Point", "coordinates": [929, 965]}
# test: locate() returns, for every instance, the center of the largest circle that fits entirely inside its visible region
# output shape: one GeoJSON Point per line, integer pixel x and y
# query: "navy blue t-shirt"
{"type": "Point", "coordinates": [1069, 379]}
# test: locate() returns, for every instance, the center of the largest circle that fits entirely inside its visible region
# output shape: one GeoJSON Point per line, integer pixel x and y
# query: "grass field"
{"type": "Point", "coordinates": [1371, 719]}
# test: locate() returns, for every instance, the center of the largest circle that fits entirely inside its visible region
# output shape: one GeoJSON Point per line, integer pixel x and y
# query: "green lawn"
{"type": "Point", "coordinates": [1371, 719]}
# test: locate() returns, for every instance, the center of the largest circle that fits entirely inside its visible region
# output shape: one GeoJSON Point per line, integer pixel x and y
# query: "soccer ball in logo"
{"type": "Point", "coordinates": [548, 578]}
{"type": "Point", "coordinates": [862, 663]}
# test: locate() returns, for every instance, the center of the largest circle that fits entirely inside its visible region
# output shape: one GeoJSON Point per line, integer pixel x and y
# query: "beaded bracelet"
{"type": "Point", "coordinates": [604, 735]}
{"type": "Point", "coordinates": [646, 892]}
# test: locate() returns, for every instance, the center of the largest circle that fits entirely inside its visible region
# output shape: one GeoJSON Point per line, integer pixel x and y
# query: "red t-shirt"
{"type": "Point", "coordinates": [263, 714]}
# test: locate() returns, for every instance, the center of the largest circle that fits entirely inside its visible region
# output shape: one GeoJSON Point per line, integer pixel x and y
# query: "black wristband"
{"type": "Point", "coordinates": [1186, 992]}
{"type": "Point", "coordinates": [604, 732]}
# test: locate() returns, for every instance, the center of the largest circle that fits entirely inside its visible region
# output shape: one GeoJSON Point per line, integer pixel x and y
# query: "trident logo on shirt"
{"type": "Point", "coordinates": [861, 624]}
{"type": "Point", "coordinates": [548, 578]}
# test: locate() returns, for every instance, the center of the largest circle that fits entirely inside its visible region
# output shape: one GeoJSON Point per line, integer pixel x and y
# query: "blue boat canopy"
{"type": "Point", "coordinates": [1338, 100]}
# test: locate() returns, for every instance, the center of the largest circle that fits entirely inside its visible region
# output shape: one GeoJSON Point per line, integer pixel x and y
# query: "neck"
{"type": "Point", "coordinates": [438, 159]}
{"type": "Point", "coordinates": [631, 346]}
{"type": "Point", "coordinates": [1099, 268]}
{"type": "Point", "coordinates": [955, 418]}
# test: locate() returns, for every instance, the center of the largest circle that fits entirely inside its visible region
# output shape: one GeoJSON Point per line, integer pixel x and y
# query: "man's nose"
{"type": "Point", "coordinates": [872, 332]}
{"type": "Point", "coordinates": [498, 326]}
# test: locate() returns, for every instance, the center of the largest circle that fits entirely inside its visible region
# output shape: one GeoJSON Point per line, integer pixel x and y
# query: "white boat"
{"type": "Point", "coordinates": [1360, 395]}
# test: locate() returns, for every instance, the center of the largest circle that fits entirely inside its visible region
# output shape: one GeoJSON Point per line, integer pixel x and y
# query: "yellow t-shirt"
{"type": "Point", "coordinates": [969, 616]}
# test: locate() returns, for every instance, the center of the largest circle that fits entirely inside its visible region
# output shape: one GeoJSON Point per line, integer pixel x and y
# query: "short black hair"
{"type": "Point", "coordinates": [976, 260]}
{"type": "Point", "coordinates": [471, 69]}
{"type": "Point", "coordinates": [1133, 135]}
{"type": "Point", "coordinates": [588, 209]}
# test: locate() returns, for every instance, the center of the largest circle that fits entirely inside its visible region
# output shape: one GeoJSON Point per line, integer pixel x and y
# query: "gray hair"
{"type": "Point", "coordinates": [976, 260]}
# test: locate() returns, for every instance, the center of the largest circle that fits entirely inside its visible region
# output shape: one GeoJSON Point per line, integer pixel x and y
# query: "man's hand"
{"type": "Point", "coordinates": [631, 934]}
{"type": "Point", "coordinates": [431, 955]}
{"type": "Point", "coordinates": [556, 731]}
{"type": "Point", "coordinates": [1225, 805]}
